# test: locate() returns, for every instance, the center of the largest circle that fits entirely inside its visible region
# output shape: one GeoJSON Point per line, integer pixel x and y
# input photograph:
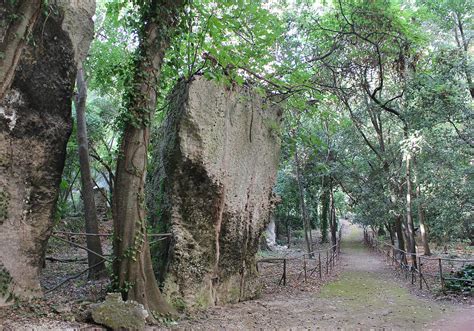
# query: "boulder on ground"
{"type": "Point", "coordinates": [215, 168]}
{"type": "Point", "coordinates": [117, 314]}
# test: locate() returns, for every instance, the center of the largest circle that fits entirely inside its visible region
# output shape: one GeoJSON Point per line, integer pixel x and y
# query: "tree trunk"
{"type": "Point", "coordinates": [324, 211]}
{"type": "Point", "coordinates": [304, 212]}
{"type": "Point", "coordinates": [332, 218]}
{"type": "Point", "coordinates": [410, 226]}
{"type": "Point", "coordinates": [423, 230]}
{"type": "Point", "coordinates": [95, 262]}
{"type": "Point", "coordinates": [465, 49]}
{"type": "Point", "coordinates": [288, 229]}
{"type": "Point", "coordinates": [391, 230]}
{"type": "Point", "coordinates": [399, 230]}
{"type": "Point", "coordinates": [421, 215]}
{"type": "Point", "coordinates": [16, 35]}
{"type": "Point", "coordinates": [133, 266]}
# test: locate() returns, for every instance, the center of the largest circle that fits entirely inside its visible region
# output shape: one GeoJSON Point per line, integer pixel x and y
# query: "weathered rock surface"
{"type": "Point", "coordinates": [270, 233]}
{"type": "Point", "coordinates": [270, 237]}
{"type": "Point", "coordinates": [35, 124]}
{"type": "Point", "coordinates": [117, 314]}
{"type": "Point", "coordinates": [212, 189]}
{"type": "Point", "coordinates": [101, 204]}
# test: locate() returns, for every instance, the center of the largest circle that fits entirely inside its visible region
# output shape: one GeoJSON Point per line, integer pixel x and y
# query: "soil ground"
{"type": "Point", "coordinates": [366, 295]}
{"type": "Point", "coordinates": [363, 293]}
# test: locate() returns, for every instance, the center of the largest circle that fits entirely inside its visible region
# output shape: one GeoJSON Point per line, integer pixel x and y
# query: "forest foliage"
{"type": "Point", "coordinates": [377, 95]}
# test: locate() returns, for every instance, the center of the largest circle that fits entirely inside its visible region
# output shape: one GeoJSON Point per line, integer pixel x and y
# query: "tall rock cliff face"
{"type": "Point", "coordinates": [216, 165]}
{"type": "Point", "coordinates": [35, 124]}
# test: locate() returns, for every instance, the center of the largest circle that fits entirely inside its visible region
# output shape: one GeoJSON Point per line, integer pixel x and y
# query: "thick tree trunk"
{"type": "Point", "coordinates": [304, 211]}
{"type": "Point", "coordinates": [133, 267]}
{"type": "Point", "coordinates": [95, 262]}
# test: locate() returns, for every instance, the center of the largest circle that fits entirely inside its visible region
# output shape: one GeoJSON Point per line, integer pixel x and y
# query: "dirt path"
{"type": "Point", "coordinates": [365, 296]}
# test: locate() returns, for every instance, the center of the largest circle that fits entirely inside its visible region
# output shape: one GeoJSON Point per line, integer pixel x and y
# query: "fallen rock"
{"type": "Point", "coordinates": [117, 314]}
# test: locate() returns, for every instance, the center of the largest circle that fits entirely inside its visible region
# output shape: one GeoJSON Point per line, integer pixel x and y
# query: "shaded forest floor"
{"type": "Point", "coordinates": [365, 295]}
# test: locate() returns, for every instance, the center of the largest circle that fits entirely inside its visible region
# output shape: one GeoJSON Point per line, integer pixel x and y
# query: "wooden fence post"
{"type": "Point", "coordinates": [284, 272]}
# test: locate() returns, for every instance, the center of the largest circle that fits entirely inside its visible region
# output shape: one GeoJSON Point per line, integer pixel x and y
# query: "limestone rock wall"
{"type": "Point", "coordinates": [35, 124]}
{"type": "Point", "coordinates": [270, 233]}
{"type": "Point", "coordinates": [216, 165]}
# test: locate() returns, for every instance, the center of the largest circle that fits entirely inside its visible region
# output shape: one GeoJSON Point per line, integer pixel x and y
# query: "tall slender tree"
{"type": "Point", "coordinates": [304, 211]}
{"type": "Point", "coordinates": [133, 268]}
{"type": "Point", "coordinates": [95, 261]}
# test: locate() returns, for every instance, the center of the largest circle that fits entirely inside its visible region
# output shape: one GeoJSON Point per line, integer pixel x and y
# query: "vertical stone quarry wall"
{"type": "Point", "coordinates": [215, 168]}
{"type": "Point", "coordinates": [35, 124]}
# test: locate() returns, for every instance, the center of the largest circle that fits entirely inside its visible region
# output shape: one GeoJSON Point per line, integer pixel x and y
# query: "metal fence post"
{"type": "Point", "coordinates": [304, 268]}
{"type": "Point", "coordinates": [441, 274]}
{"type": "Point", "coordinates": [319, 262]}
{"type": "Point", "coordinates": [421, 275]}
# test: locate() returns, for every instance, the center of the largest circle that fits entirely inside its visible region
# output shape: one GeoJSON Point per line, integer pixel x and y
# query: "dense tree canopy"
{"type": "Point", "coordinates": [365, 85]}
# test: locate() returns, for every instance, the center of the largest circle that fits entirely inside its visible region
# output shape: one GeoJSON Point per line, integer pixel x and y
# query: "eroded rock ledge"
{"type": "Point", "coordinates": [215, 167]}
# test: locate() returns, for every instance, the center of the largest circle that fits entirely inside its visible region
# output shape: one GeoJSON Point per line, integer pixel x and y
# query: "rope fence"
{"type": "Point", "coordinates": [433, 272]}
{"type": "Point", "coordinates": [69, 237]}
{"type": "Point", "coordinates": [312, 265]}
{"type": "Point", "coordinates": [316, 264]}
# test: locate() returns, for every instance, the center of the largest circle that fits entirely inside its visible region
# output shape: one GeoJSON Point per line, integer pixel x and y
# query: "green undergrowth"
{"type": "Point", "coordinates": [463, 282]}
